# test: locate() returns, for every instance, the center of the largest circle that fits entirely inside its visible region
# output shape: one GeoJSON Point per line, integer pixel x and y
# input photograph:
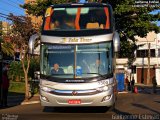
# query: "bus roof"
{"type": "Point", "coordinates": [80, 4]}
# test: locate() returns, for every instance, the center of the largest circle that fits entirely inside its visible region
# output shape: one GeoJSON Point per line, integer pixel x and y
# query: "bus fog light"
{"type": "Point", "coordinates": [44, 98]}
{"type": "Point", "coordinates": [46, 89]}
{"type": "Point", "coordinates": [106, 98]}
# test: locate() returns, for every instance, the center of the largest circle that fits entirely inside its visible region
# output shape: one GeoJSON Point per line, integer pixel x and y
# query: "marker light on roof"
{"type": "Point", "coordinates": [83, 1]}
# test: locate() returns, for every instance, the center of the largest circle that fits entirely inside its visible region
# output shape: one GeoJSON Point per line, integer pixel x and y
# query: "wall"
{"type": "Point", "coordinates": [158, 76]}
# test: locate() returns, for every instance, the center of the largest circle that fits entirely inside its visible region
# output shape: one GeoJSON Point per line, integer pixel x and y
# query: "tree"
{"type": "Point", "coordinates": [21, 32]}
{"type": "Point", "coordinates": [6, 47]}
{"type": "Point", "coordinates": [15, 72]}
{"type": "Point", "coordinates": [130, 19]}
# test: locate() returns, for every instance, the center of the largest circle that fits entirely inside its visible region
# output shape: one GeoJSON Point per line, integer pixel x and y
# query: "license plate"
{"type": "Point", "coordinates": [74, 101]}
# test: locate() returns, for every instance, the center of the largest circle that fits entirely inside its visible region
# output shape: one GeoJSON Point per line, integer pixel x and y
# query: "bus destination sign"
{"type": "Point", "coordinates": [76, 40]}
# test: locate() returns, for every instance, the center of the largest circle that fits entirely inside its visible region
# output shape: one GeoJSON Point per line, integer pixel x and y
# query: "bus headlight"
{"type": "Point", "coordinates": [46, 89]}
{"type": "Point", "coordinates": [102, 89]}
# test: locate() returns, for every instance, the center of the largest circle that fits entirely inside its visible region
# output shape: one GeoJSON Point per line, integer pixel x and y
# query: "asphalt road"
{"type": "Point", "coordinates": [129, 106]}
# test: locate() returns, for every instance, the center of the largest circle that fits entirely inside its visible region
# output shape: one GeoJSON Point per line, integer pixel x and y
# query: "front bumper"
{"type": "Point", "coordinates": [86, 100]}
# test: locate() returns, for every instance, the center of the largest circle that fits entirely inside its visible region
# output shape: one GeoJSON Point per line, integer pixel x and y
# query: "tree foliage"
{"type": "Point", "coordinates": [15, 71]}
{"type": "Point", "coordinates": [21, 32]}
{"type": "Point", "coordinates": [38, 8]}
{"type": "Point", "coordinates": [130, 19]}
{"type": "Point", "coordinates": [7, 47]}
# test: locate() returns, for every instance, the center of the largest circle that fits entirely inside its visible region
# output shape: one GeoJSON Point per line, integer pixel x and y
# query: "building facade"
{"type": "Point", "coordinates": [147, 59]}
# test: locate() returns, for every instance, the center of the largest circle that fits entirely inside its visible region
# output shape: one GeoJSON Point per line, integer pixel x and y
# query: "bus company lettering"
{"type": "Point", "coordinates": [76, 40]}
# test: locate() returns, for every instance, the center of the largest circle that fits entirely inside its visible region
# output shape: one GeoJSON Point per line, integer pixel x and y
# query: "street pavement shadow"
{"type": "Point", "coordinates": [119, 115]}
{"type": "Point", "coordinates": [145, 107]}
{"type": "Point", "coordinates": [143, 90]}
{"type": "Point", "coordinates": [14, 99]}
{"type": "Point", "coordinates": [76, 109]}
{"type": "Point", "coordinates": [157, 101]}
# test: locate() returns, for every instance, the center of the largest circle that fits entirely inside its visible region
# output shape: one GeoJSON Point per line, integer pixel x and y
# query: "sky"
{"type": "Point", "coordinates": [12, 6]}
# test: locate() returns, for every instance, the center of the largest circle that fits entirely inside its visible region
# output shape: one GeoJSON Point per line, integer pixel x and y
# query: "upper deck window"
{"type": "Point", "coordinates": [79, 18]}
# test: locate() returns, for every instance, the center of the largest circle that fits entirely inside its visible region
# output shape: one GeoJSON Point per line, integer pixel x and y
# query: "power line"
{"type": "Point", "coordinates": [5, 17]}
{"type": "Point", "coordinates": [8, 17]}
{"type": "Point", "coordinates": [6, 10]}
{"type": "Point", "coordinates": [4, 14]}
{"type": "Point", "coordinates": [15, 3]}
{"type": "Point", "coordinates": [11, 4]}
{"type": "Point", "coordinates": [18, 1]}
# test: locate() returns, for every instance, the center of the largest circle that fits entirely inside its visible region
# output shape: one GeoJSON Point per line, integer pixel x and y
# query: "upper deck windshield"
{"type": "Point", "coordinates": [76, 61]}
{"type": "Point", "coordinates": [77, 18]}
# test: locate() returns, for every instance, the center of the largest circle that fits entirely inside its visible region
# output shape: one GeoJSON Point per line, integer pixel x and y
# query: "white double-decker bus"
{"type": "Point", "coordinates": [78, 42]}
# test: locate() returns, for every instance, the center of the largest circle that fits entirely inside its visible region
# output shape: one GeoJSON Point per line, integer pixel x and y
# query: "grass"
{"type": "Point", "coordinates": [17, 87]}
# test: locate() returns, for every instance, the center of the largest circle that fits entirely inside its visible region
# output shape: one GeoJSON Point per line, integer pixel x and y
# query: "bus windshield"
{"type": "Point", "coordinates": [77, 18]}
{"type": "Point", "coordinates": [76, 61]}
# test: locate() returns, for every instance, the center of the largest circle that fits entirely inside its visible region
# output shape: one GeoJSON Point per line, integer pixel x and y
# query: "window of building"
{"type": "Point", "coordinates": [152, 53]}
{"type": "Point", "coordinates": [158, 52]}
{"type": "Point", "coordinates": [144, 53]}
{"type": "Point", "coordinates": [133, 68]}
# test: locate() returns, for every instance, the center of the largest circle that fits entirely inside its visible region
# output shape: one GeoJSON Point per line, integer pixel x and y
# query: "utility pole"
{"type": "Point", "coordinates": [0, 60]}
{"type": "Point", "coordinates": [148, 70]}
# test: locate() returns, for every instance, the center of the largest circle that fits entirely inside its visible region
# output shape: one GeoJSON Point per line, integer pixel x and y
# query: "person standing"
{"type": "Point", "coordinates": [5, 86]}
{"type": "Point", "coordinates": [126, 83]}
{"type": "Point", "coordinates": [154, 82]}
{"type": "Point", "coordinates": [132, 84]}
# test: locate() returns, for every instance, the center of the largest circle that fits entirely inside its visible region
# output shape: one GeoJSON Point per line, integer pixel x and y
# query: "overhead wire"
{"type": "Point", "coordinates": [19, 2]}
{"type": "Point", "coordinates": [3, 14]}
{"type": "Point", "coordinates": [6, 2]}
{"type": "Point", "coordinates": [6, 10]}
{"type": "Point", "coordinates": [15, 3]}
{"type": "Point", "coordinates": [8, 17]}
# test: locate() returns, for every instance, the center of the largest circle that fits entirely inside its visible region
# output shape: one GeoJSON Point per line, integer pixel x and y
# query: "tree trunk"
{"type": "Point", "coordinates": [26, 85]}
{"type": "Point", "coordinates": [17, 79]}
{"type": "Point", "coordinates": [25, 69]}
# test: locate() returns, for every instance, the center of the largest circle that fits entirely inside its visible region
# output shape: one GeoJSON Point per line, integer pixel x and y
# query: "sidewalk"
{"type": "Point", "coordinates": [20, 100]}
{"type": "Point", "coordinates": [145, 89]}
{"type": "Point", "coordinates": [32, 100]}
{"type": "Point", "coordinates": [143, 85]}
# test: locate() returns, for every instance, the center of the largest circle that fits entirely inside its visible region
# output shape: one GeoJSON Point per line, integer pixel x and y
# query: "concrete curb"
{"type": "Point", "coordinates": [122, 92]}
{"type": "Point", "coordinates": [30, 102]}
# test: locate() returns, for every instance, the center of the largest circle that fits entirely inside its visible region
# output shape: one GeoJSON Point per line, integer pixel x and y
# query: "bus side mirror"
{"type": "Point", "coordinates": [116, 42]}
{"type": "Point", "coordinates": [32, 40]}
{"type": "Point", "coordinates": [37, 75]}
